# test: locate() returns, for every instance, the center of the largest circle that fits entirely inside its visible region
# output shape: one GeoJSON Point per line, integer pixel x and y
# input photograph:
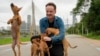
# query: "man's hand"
{"type": "Point", "coordinates": [47, 38]}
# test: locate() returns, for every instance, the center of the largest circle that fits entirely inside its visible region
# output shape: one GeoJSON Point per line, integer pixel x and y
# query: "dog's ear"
{"type": "Point", "coordinates": [19, 8]}
{"type": "Point", "coordinates": [12, 5]}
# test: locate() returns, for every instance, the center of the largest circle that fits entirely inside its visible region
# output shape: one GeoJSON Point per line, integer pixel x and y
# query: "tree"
{"type": "Point", "coordinates": [91, 18]}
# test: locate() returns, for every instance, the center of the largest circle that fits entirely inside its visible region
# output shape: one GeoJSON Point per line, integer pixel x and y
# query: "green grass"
{"type": "Point", "coordinates": [92, 36]}
{"type": "Point", "coordinates": [25, 39]}
{"type": "Point", "coordinates": [4, 41]}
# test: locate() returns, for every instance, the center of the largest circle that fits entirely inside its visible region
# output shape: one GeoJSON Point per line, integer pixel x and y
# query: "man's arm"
{"type": "Point", "coordinates": [61, 34]}
{"type": "Point", "coordinates": [42, 27]}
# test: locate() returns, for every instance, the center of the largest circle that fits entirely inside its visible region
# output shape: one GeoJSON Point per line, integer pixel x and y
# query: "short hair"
{"type": "Point", "coordinates": [51, 4]}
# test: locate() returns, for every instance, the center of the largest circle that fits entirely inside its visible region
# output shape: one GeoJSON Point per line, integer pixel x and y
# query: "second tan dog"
{"type": "Point", "coordinates": [43, 46]}
{"type": "Point", "coordinates": [64, 41]}
{"type": "Point", "coordinates": [35, 40]}
{"type": "Point", "coordinates": [39, 46]}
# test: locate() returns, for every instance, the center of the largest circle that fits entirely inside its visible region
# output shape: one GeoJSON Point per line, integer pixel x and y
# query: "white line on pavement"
{"type": "Point", "coordinates": [98, 49]}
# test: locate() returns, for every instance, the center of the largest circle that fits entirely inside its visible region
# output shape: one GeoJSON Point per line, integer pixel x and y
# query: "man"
{"type": "Point", "coordinates": [53, 21]}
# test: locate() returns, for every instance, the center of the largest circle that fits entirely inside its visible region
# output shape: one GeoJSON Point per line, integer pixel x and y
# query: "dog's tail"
{"type": "Point", "coordinates": [71, 46]}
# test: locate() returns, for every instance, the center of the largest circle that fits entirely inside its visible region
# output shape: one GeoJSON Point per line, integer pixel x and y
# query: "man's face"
{"type": "Point", "coordinates": [50, 12]}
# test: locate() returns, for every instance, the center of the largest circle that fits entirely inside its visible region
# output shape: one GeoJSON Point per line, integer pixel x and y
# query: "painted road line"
{"type": "Point", "coordinates": [98, 49]}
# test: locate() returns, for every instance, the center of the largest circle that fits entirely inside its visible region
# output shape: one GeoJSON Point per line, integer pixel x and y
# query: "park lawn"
{"type": "Point", "coordinates": [4, 41]}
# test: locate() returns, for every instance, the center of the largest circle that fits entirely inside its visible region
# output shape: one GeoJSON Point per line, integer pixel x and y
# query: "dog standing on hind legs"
{"type": "Point", "coordinates": [15, 22]}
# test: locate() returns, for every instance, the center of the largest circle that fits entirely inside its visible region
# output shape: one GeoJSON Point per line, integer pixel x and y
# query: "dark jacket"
{"type": "Point", "coordinates": [58, 23]}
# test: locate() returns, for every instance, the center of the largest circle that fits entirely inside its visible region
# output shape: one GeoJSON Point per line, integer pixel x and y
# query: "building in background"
{"type": "Point", "coordinates": [23, 27]}
{"type": "Point", "coordinates": [28, 23]}
{"type": "Point", "coordinates": [30, 26]}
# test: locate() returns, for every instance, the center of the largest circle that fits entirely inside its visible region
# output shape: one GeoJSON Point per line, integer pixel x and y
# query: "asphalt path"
{"type": "Point", "coordinates": [86, 47]}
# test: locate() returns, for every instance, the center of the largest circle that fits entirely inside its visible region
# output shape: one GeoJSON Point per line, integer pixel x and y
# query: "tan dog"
{"type": "Point", "coordinates": [15, 22]}
{"type": "Point", "coordinates": [35, 40]}
{"type": "Point", "coordinates": [64, 41]}
{"type": "Point", "coordinates": [43, 46]}
{"type": "Point", "coordinates": [39, 46]}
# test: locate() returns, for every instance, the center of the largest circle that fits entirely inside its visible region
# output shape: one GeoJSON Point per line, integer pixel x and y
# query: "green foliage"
{"type": "Point", "coordinates": [94, 16]}
{"type": "Point", "coordinates": [74, 29]}
{"type": "Point", "coordinates": [93, 35]}
{"type": "Point", "coordinates": [90, 20]}
{"type": "Point", "coordinates": [78, 7]}
{"type": "Point", "coordinates": [70, 30]}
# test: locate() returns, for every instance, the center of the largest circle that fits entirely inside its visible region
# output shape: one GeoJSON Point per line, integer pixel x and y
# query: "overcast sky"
{"type": "Point", "coordinates": [64, 7]}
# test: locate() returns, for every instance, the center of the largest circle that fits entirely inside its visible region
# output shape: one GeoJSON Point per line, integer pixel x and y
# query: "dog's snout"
{"type": "Point", "coordinates": [12, 4]}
